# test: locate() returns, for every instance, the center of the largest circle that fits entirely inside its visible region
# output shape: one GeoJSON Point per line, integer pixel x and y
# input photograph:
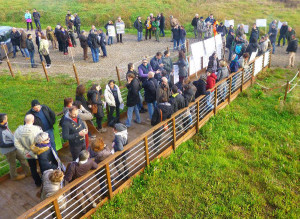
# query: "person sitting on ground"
{"type": "Point", "coordinates": [74, 131]}
{"type": "Point", "coordinates": [8, 149]}
{"type": "Point", "coordinates": [83, 39]}
{"type": "Point", "coordinates": [163, 90]}
{"type": "Point", "coordinates": [213, 62]}
{"type": "Point", "coordinates": [77, 169]}
{"type": "Point", "coordinates": [157, 65]}
{"type": "Point", "coordinates": [176, 100]}
{"type": "Point", "coordinates": [24, 137]}
{"type": "Point", "coordinates": [292, 50]}
{"type": "Point", "coordinates": [150, 87]}
{"type": "Point", "coordinates": [144, 69]}
{"type": "Point", "coordinates": [244, 60]}
{"type": "Point", "coordinates": [98, 150]}
{"type": "Point", "coordinates": [167, 64]}
{"type": "Point", "coordinates": [50, 36]}
{"type": "Point", "coordinates": [211, 80]}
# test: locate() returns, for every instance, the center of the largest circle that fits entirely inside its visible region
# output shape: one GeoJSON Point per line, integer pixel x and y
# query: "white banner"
{"type": "Point", "coordinates": [219, 45]}
{"type": "Point", "coordinates": [120, 28]}
{"type": "Point", "coordinates": [111, 31]}
{"type": "Point", "coordinates": [210, 46]}
{"type": "Point", "coordinates": [227, 23]}
{"type": "Point", "coordinates": [176, 73]}
{"type": "Point", "coordinates": [261, 22]}
{"type": "Point", "coordinates": [194, 65]}
{"type": "Point", "coordinates": [253, 55]}
{"type": "Point", "coordinates": [198, 49]}
{"type": "Point", "coordinates": [266, 60]}
{"type": "Point", "coordinates": [205, 61]}
{"type": "Point", "coordinates": [280, 24]}
{"type": "Point", "coordinates": [258, 65]}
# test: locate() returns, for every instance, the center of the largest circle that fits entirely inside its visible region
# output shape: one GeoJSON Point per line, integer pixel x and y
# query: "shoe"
{"type": "Point", "coordinates": [27, 58]}
{"type": "Point", "coordinates": [143, 110]}
{"type": "Point", "coordinates": [65, 53]}
{"type": "Point", "coordinates": [135, 121]}
{"type": "Point", "coordinates": [103, 130]}
{"type": "Point", "coordinates": [48, 66]}
{"type": "Point", "coordinates": [34, 66]}
{"type": "Point", "coordinates": [18, 177]}
{"type": "Point", "coordinates": [14, 57]}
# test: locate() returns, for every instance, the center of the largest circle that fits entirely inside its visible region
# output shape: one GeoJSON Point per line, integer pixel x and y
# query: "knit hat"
{"type": "Point", "coordinates": [35, 103]}
{"type": "Point", "coordinates": [120, 127]}
{"type": "Point", "coordinates": [201, 17]}
{"type": "Point", "coordinates": [43, 136]}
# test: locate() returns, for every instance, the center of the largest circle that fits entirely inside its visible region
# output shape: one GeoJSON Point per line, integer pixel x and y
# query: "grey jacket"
{"type": "Point", "coordinates": [168, 64]}
{"type": "Point", "coordinates": [121, 137]}
{"type": "Point", "coordinates": [6, 140]}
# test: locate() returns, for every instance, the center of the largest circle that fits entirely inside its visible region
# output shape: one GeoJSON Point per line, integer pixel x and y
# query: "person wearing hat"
{"type": "Point", "coordinates": [8, 149]}
{"type": "Point", "coordinates": [194, 24]}
{"type": "Point", "coordinates": [200, 27]}
{"type": "Point", "coordinates": [44, 117]}
{"type": "Point", "coordinates": [272, 36]}
{"type": "Point", "coordinates": [282, 33]}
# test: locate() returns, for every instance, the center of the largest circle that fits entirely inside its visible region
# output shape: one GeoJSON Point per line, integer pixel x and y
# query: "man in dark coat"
{"type": "Point", "coordinates": [162, 24]}
{"type": "Point", "coordinates": [292, 49]}
{"type": "Point", "coordinates": [221, 29]}
{"type": "Point", "coordinates": [176, 36]}
{"type": "Point", "coordinates": [194, 24]}
{"type": "Point", "coordinates": [36, 17]}
{"type": "Point", "coordinates": [84, 44]}
{"type": "Point", "coordinates": [229, 41]}
{"type": "Point", "coordinates": [15, 37]}
{"type": "Point", "coordinates": [57, 33]}
{"type": "Point", "coordinates": [272, 36]}
{"type": "Point", "coordinates": [176, 100]}
{"type": "Point", "coordinates": [133, 99]}
{"type": "Point", "coordinates": [77, 24]}
{"type": "Point", "coordinates": [74, 130]}
{"type": "Point", "coordinates": [289, 34]}
{"type": "Point", "coordinates": [201, 86]}
{"type": "Point", "coordinates": [282, 33]}
{"type": "Point", "coordinates": [102, 42]}
{"type": "Point", "coordinates": [150, 87]}
{"type": "Point", "coordinates": [43, 117]}
{"type": "Point", "coordinates": [254, 34]}
{"type": "Point", "coordinates": [139, 27]}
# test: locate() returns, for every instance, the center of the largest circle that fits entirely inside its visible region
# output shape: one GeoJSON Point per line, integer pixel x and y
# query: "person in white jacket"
{"type": "Point", "coordinates": [114, 99]}
{"type": "Point", "coordinates": [44, 50]}
{"type": "Point", "coordinates": [23, 138]}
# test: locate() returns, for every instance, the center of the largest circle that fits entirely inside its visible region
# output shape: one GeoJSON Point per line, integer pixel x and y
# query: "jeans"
{"type": "Point", "coordinates": [111, 112]}
{"type": "Point", "coordinates": [95, 54]}
{"type": "Point", "coordinates": [38, 24]}
{"type": "Point", "coordinates": [77, 30]}
{"type": "Point", "coordinates": [273, 45]}
{"type": "Point", "coordinates": [11, 159]}
{"type": "Point", "coordinates": [33, 169]}
{"type": "Point", "coordinates": [182, 43]}
{"type": "Point", "coordinates": [48, 60]}
{"type": "Point", "coordinates": [103, 48]}
{"type": "Point", "coordinates": [230, 55]}
{"type": "Point", "coordinates": [52, 139]}
{"type": "Point", "coordinates": [176, 44]}
{"type": "Point", "coordinates": [25, 50]}
{"type": "Point", "coordinates": [110, 40]}
{"type": "Point", "coordinates": [279, 39]}
{"type": "Point", "coordinates": [195, 32]}
{"type": "Point", "coordinates": [31, 54]}
{"type": "Point", "coordinates": [140, 36]}
{"type": "Point", "coordinates": [28, 25]}
{"type": "Point", "coordinates": [151, 107]}
{"type": "Point", "coordinates": [140, 104]}
{"type": "Point", "coordinates": [129, 115]}
{"type": "Point", "coordinates": [162, 31]}
{"type": "Point", "coordinates": [15, 50]}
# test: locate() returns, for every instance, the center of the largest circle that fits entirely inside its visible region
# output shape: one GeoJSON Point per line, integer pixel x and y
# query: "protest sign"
{"type": "Point", "coordinates": [253, 55]}
{"type": "Point", "coordinates": [198, 49]}
{"type": "Point", "coordinates": [219, 45]}
{"type": "Point", "coordinates": [261, 22]}
{"type": "Point", "coordinates": [120, 27]}
{"type": "Point", "coordinates": [176, 73]}
{"type": "Point", "coordinates": [227, 23]}
{"type": "Point", "coordinates": [111, 31]}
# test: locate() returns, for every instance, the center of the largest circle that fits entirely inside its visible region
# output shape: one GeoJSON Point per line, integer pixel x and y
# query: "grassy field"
{"type": "Point", "coordinates": [98, 12]}
{"type": "Point", "coordinates": [243, 163]}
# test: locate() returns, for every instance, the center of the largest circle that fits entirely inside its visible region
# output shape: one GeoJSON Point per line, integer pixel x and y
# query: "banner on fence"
{"type": "Point", "coordinates": [120, 28]}
{"type": "Point", "coordinates": [258, 65]}
{"type": "Point", "coordinates": [194, 65]}
{"type": "Point", "coordinates": [210, 47]}
{"type": "Point", "coordinates": [198, 49]}
{"type": "Point", "coordinates": [176, 73]}
{"type": "Point", "coordinates": [111, 31]}
{"type": "Point", "coordinates": [219, 45]}
{"type": "Point", "coordinates": [253, 55]}
{"type": "Point", "coordinates": [261, 22]}
{"type": "Point", "coordinates": [227, 23]}
{"type": "Point", "coordinates": [266, 60]}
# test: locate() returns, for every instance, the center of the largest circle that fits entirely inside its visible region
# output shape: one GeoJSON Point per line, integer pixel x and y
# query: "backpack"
{"type": "Point", "coordinates": [238, 48]}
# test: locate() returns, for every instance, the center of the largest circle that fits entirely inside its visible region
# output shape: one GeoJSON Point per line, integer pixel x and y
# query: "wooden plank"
{"type": "Point", "coordinates": [146, 151]}
{"type": "Point", "coordinates": [57, 210]}
{"type": "Point", "coordinates": [198, 117]}
{"type": "Point", "coordinates": [174, 133]}
{"type": "Point", "coordinates": [110, 192]}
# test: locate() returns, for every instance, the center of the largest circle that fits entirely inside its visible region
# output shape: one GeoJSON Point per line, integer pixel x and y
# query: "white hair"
{"type": "Point", "coordinates": [150, 74]}
{"type": "Point", "coordinates": [29, 118]}
{"type": "Point", "coordinates": [164, 79]}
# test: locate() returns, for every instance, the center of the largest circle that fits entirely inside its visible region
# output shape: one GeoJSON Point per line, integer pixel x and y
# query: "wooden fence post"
{"type": "Point", "coordinates": [45, 70]}
{"type": "Point", "coordinates": [4, 47]}
{"type": "Point", "coordinates": [286, 90]}
{"type": "Point", "coordinates": [168, 49]}
{"type": "Point", "coordinates": [76, 74]}
{"type": "Point", "coordinates": [110, 193]}
{"type": "Point", "coordinates": [270, 59]}
{"type": "Point", "coordinates": [56, 208]}
{"type": "Point", "coordinates": [252, 77]}
{"type": "Point", "coordinates": [147, 151]}
{"type": "Point", "coordinates": [187, 46]}
{"type": "Point", "coordinates": [198, 116]}
{"type": "Point", "coordinates": [263, 61]}
{"type": "Point", "coordinates": [118, 74]}
{"type": "Point", "coordinates": [242, 80]}
{"type": "Point", "coordinates": [230, 84]}
{"type": "Point", "coordinates": [216, 100]}
{"type": "Point", "coordinates": [189, 73]}
{"type": "Point", "coordinates": [174, 133]}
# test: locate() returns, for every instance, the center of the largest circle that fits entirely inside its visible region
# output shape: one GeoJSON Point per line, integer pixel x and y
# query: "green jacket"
{"type": "Point", "coordinates": [168, 64]}
{"type": "Point", "coordinates": [289, 35]}
{"type": "Point", "coordinates": [155, 24]}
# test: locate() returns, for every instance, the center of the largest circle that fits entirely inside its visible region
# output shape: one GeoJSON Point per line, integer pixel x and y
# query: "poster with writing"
{"type": "Point", "coordinates": [209, 46]}
{"type": "Point", "coordinates": [120, 28]}
{"type": "Point", "coordinates": [205, 61]}
{"type": "Point", "coordinates": [194, 65]}
{"type": "Point", "coordinates": [111, 31]}
{"type": "Point", "coordinates": [258, 65]}
{"type": "Point", "coordinates": [198, 49]}
{"type": "Point", "coordinates": [261, 22]}
{"type": "Point", "coordinates": [176, 73]}
{"type": "Point", "coordinates": [227, 23]}
{"type": "Point", "coordinates": [219, 45]}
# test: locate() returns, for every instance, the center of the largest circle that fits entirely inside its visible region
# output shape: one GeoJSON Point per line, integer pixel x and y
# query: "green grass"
{"type": "Point", "coordinates": [243, 163]}
{"type": "Point", "coordinates": [98, 12]}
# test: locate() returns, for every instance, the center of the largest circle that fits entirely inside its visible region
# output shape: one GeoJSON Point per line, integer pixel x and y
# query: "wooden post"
{"type": "Point", "coordinates": [187, 46]}
{"type": "Point", "coordinates": [110, 193]}
{"type": "Point", "coordinates": [4, 47]}
{"type": "Point", "coordinates": [147, 151]}
{"type": "Point", "coordinates": [286, 90]}
{"type": "Point", "coordinates": [242, 80]}
{"type": "Point", "coordinates": [174, 134]}
{"type": "Point", "coordinates": [263, 61]}
{"type": "Point", "coordinates": [76, 74]}
{"type": "Point", "coordinates": [57, 210]}
{"type": "Point", "coordinates": [270, 59]}
{"type": "Point", "coordinates": [230, 84]}
{"type": "Point", "coordinates": [252, 77]}
{"type": "Point", "coordinates": [45, 70]}
{"type": "Point", "coordinates": [168, 49]}
{"type": "Point", "coordinates": [216, 100]}
{"type": "Point", "coordinates": [189, 73]}
{"type": "Point", "coordinates": [198, 116]}
{"type": "Point", "coordinates": [118, 74]}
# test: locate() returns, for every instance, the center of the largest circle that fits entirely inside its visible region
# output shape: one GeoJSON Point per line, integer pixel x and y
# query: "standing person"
{"type": "Point", "coordinates": [150, 86]}
{"type": "Point", "coordinates": [292, 49]}
{"type": "Point", "coordinates": [110, 38]}
{"type": "Point", "coordinates": [274, 22]}
{"type": "Point", "coordinates": [64, 40]}
{"type": "Point", "coordinates": [23, 138]}
{"type": "Point", "coordinates": [38, 38]}
{"type": "Point", "coordinates": [80, 92]}
{"type": "Point", "coordinates": [282, 33]}
{"type": "Point", "coordinates": [120, 35]}
{"type": "Point", "coordinates": [240, 31]}
{"type": "Point", "coordinates": [213, 63]}
{"type": "Point", "coordinates": [162, 24]}
{"type": "Point", "coordinates": [16, 40]}
{"type": "Point", "coordinates": [94, 98]}
{"type": "Point", "coordinates": [23, 43]}
{"type": "Point", "coordinates": [208, 30]}
{"type": "Point", "coordinates": [167, 64]}
{"type": "Point", "coordinates": [71, 31]}
{"type": "Point", "coordinates": [182, 37]}
{"type": "Point", "coordinates": [57, 34]}
{"type": "Point", "coordinates": [139, 27]}
{"type": "Point", "coordinates": [200, 27]}
{"type": "Point", "coordinates": [157, 65]}
{"type": "Point", "coordinates": [155, 28]}
{"type": "Point", "coordinates": [93, 44]}
{"type": "Point", "coordinates": [74, 131]}
{"type": "Point", "coordinates": [272, 36]}
{"type": "Point", "coordinates": [30, 48]}
{"type": "Point", "coordinates": [144, 69]}
{"type": "Point", "coordinates": [176, 100]}
{"type": "Point", "coordinates": [83, 39]}
{"type": "Point", "coordinates": [148, 26]}
{"type": "Point", "coordinates": [211, 80]}
{"type": "Point", "coordinates": [69, 18]}
{"type": "Point", "coordinates": [133, 99]}
{"type": "Point", "coordinates": [210, 19]}
{"type": "Point", "coordinates": [182, 65]}
{"type": "Point", "coordinates": [44, 117]}
{"type": "Point", "coordinates": [36, 16]}
{"type": "Point", "coordinates": [8, 149]}
{"type": "Point", "coordinates": [229, 43]}
{"type": "Point", "coordinates": [44, 50]}
{"type": "Point", "coordinates": [173, 23]}
{"type": "Point", "coordinates": [102, 42]}
{"type": "Point", "coordinates": [77, 24]}
{"type": "Point", "coordinates": [221, 29]}
{"type": "Point", "coordinates": [230, 29]}
{"type": "Point", "coordinates": [201, 86]}
{"type": "Point", "coordinates": [176, 37]}
{"type": "Point", "coordinates": [195, 24]}
{"type": "Point", "coordinates": [28, 20]}
{"type": "Point", "coordinates": [223, 72]}
{"type": "Point", "coordinates": [289, 34]}
{"type": "Point", "coordinates": [51, 36]}
{"type": "Point", "coordinates": [113, 98]}
{"type": "Point", "coordinates": [163, 90]}
{"type": "Point", "coordinates": [254, 34]}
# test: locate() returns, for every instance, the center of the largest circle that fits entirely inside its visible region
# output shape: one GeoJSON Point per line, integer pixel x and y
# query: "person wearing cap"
{"type": "Point", "coordinates": [24, 138]}
{"type": "Point", "coordinates": [144, 69]}
{"type": "Point", "coordinates": [45, 118]}
{"type": "Point", "coordinates": [194, 24]}
{"type": "Point", "coordinates": [77, 24]}
{"type": "Point", "coordinates": [8, 149]}
{"type": "Point", "coordinates": [272, 36]}
{"type": "Point", "coordinates": [282, 33]}
{"type": "Point", "coordinates": [83, 39]}
{"type": "Point", "coordinates": [200, 27]}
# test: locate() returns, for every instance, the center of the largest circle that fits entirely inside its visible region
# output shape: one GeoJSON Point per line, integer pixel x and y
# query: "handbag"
{"type": "Point", "coordinates": [94, 108]}
{"type": "Point", "coordinates": [166, 126]}
{"type": "Point", "coordinates": [28, 20]}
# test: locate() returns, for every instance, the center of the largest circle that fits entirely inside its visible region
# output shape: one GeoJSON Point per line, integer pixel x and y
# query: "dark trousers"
{"type": "Point", "coordinates": [33, 169]}
{"type": "Point", "coordinates": [111, 112]}
{"type": "Point", "coordinates": [60, 46]}
{"type": "Point", "coordinates": [148, 32]}
{"type": "Point", "coordinates": [76, 149]}
{"type": "Point", "coordinates": [85, 53]}
{"type": "Point", "coordinates": [77, 30]}
{"type": "Point", "coordinates": [279, 39]}
{"type": "Point", "coordinates": [162, 31]}
{"type": "Point", "coordinates": [122, 171]}
{"type": "Point", "coordinates": [64, 47]}
{"type": "Point", "coordinates": [30, 25]}
{"type": "Point", "coordinates": [103, 48]}
{"type": "Point", "coordinates": [119, 38]}
{"type": "Point", "coordinates": [48, 60]}
{"type": "Point", "coordinates": [38, 24]}
{"type": "Point", "coordinates": [98, 121]}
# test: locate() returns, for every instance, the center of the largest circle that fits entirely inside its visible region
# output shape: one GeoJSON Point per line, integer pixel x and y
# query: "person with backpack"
{"type": "Point", "coordinates": [139, 27]}
{"type": "Point", "coordinates": [272, 36]}
{"type": "Point", "coordinates": [194, 24]}
{"type": "Point", "coordinates": [239, 47]}
{"type": "Point", "coordinates": [93, 44]}
{"type": "Point", "coordinates": [150, 86]}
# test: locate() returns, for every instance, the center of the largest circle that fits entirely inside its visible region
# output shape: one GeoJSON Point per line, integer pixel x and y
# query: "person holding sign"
{"type": "Point", "coordinates": [110, 38]}
{"type": "Point", "coordinates": [120, 27]}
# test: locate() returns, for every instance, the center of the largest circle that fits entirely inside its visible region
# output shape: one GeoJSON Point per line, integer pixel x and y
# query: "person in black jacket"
{"type": "Point", "coordinates": [64, 40]}
{"type": "Point", "coordinates": [162, 24]}
{"type": "Point", "coordinates": [43, 117]}
{"type": "Point", "coordinates": [84, 44]}
{"type": "Point", "coordinates": [15, 37]}
{"type": "Point", "coordinates": [139, 27]}
{"type": "Point", "coordinates": [80, 92]}
{"type": "Point", "coordinates": [254, 34]}
{"type": "Point", "coordinates": [194, 24]}
{"type": "Point", "coordinates": [57, 33]}
{"type": "Point", "coordinates": [30, 48]}
{"type": "Point", "coordinates": [150, 87]}
{"type": "Point", "coordinates": [133, 99]}
{"type": "Point", "coordinates": [94, 45]}
{"type": "Point", "coordinates": [229, 42]}
{"type": "Point", "coordinates": [176, 100]}
{"type": "Point", "coordinates": [292, 49]}
{"type": "Point", "coordinates": [272, 36]}
{"type": "Point", "coordinates": [176, 37]}
{"type": "Point", "coordinates": [74, 130]}
{"type": "Point", "coordinates": [221, 29]}
{"type": "Point", "coordinates": [94, 98]}
{"type": "Point", "coordinates": [36, 16]}
{"type": "Point", "coordinates": [102, 42]}
{"type": "Point", "coordinates": [201, 86]}
{"type": "Point", "coordinates": [282, 33]}
{"type": "Point", "coordinates": [252, 47]}
{"type": "Point", "coordinates": [77, 24]}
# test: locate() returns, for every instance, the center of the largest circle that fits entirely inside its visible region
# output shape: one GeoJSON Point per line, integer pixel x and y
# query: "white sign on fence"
{"type": "Point", "coordinates": [111, 31]}
{"type": "Point", "coordinates": [219, 45]}
{"type": "Point", "coordinates": [194, 65]}
{"type": "Point", "coordinates": [253, 55]}
{"type": "Point", "coordinates": [120, 28]}
{"type": "Point", "coordinates": [210, 47]}
{"type": "Point", "coordinates": [266, 60]}
{"type": "Point", "coordinates": [258, 65]}
{"type": "Point", "coordinates": [227, 23]}
{"type": "Point", "coordinates": [198, 49]}
{"type": "Point", "coordinates": [261, 22]}
{"type": "Point", "coordinates": [205, 61]}
{"type": "Point", "coordinates": [176, 73]}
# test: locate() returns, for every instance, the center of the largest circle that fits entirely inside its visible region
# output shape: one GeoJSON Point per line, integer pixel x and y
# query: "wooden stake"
{"type": "Point", "coordinates": [57, 210]}
{"type": "Point", "coordinates": [7, 60]}
{"type": "Point", "coordinates": [168, 49]}
{"type": "Point", "coordinates": [216, 100]}
{"type": "Point", "coordinates": [286, 90]}
{"type": "Point", "coordinates": [252, 77]}
{"type": "Point", "coordinates": [45, 70]}
{"type": "Point", "coordinates": [76, 74]}
{"type": "Point", "coordinates": [198, 116]}
{"type": "Point", "coordinates": [187, 46]}
{"type": "Point", "coordinates": [147, 151]}
{"type": "Point", "coordinates": [242, 81]}
{"type": "Point", "coordinates": [118, 74]}
{"type": "Point", "coordinates": [174, 133]}
{"type": "Point", "coordinates": [110, 193]}
{"type": "Point", "coordinates": [189, 73]}
{"type": "Point", "coordinates": [270, 59]}
{"type": "Point", "coordinates": [230, 84]}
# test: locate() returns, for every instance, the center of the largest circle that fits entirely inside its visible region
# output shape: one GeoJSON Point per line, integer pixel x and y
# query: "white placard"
{"type": "Point", "coordinates": [280, 24]}
{"type": "Point", "coordinates": [205, 61]}
{"type": "Point", "coordinates": [227, 23]}
{"type": "Point", "coordinates": [111, 31]}
{"type": "Point", "coordinates": [209, 46]}
{"type": "Point", "coordinates": [261, 22]}
{"type": "Point", "coordinates": [258, 65]}
{"type": "Point", "coordinates": [198, 49]}
{"type": "Point", "coordinates": [219, 45]}
{"type": "Point", "coordinates": [266, 60]}
{"type": "Point", "coordinates": [176, 73]}
{"type": "Point", "coordinates": [253, 55]}
{"type": "Point", "coordinates": [194, 65]}
{"type": "Point", "coordinates": [120, 28]}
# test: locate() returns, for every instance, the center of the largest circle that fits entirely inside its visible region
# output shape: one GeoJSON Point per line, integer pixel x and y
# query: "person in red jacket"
{"type": "Point", "coordinates": [211, 80]}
